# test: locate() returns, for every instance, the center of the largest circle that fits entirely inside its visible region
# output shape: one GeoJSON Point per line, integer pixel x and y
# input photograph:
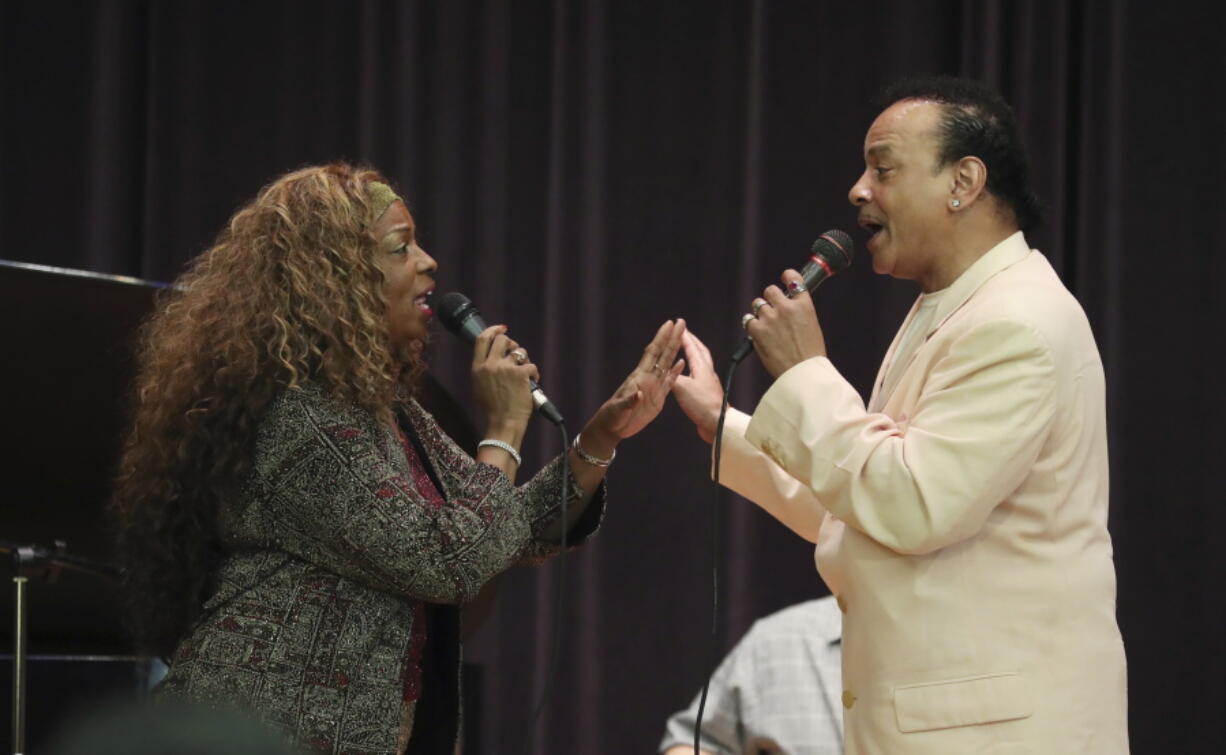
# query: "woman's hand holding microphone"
{"type": "Point", "coordinates": [501, 370]}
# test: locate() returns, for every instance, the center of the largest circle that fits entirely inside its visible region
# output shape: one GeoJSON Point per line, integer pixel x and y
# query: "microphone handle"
{"type": "Point", "coordinates": [470, 327]}
{"type": "Point", "coordinates": [813, 274]}
{"type": "Point", "coordinates": [544, 405]}
{"type": "Point", "coordinates": [743, 349]}
{"type": "Point", "coordinates": [459, 316]}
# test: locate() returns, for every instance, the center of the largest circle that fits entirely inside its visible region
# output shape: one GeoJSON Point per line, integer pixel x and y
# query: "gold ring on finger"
{"type": "Point", "coordinates": [759, 304]}
{"type": "Point", "coordinates": [519, 355]}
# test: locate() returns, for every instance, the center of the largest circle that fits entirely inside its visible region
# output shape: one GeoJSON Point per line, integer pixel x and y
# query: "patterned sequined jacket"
{"type": "Point", "coordinates": [333, 548]}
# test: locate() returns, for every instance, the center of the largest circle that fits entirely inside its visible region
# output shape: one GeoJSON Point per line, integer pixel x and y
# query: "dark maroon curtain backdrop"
{"type": "Point", "coordinates": [585, 169]}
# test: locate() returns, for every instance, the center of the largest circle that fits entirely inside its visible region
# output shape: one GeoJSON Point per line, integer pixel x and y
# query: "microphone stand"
{"type": "Point", "coordinates": [45, 564]}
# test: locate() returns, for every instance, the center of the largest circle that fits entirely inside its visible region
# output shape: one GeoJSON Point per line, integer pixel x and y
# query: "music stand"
{"type": "Point", "coordinates": [66, 336]}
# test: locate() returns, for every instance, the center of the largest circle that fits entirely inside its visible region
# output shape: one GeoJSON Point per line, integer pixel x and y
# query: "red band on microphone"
{"type": "Point", "coordinates": [825, 265]}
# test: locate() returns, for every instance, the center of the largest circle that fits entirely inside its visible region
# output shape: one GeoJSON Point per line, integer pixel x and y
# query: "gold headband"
{"type": "Point", "coordinates": [381, 197]}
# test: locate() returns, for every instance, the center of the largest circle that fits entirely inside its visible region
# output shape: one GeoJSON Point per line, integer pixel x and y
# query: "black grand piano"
{"type": "Point", "coordinates": [66, 361]}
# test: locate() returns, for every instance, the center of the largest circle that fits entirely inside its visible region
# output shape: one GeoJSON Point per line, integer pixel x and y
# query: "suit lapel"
{"type": "Point", "coordinates": [1000, 257]}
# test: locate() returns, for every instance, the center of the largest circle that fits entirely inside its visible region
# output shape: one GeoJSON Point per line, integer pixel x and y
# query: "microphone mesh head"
{"type": "Point", "coordinates": [836, 248]}
{"type": "Point", "coordinates": [451, 309]}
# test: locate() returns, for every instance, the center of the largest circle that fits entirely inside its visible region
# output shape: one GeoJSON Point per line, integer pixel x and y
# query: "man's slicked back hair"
{"type": "Point", "coordinates": [977, 122]}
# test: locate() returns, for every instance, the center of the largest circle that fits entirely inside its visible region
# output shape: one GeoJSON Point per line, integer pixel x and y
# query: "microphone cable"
{"type": "Point", "coordinates": [560, 599]}
{"type": "Point", "coordinates": [830, 253]}
{"type": "Point", "coordinates": [458, 315]}
{"type": "Point", "coordinates": [713, 648]}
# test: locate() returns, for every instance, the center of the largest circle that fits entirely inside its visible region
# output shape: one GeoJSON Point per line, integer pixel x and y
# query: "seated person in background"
{"type": "Point", "coordinates": [777, 691]}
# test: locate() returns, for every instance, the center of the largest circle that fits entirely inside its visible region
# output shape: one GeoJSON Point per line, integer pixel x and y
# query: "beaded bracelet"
{"type": "Point", "coordinates": [505, 447]}
{"type": "Point", "coordinates": [595, 462]}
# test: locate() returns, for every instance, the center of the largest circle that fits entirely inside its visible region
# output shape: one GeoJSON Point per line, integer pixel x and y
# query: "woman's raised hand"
{"type": "Point", "coordinates": [640, 397]}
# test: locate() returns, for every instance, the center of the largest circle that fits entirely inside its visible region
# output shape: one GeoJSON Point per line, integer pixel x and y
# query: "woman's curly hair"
{"type": "Point", "coordinates": [289, 293]}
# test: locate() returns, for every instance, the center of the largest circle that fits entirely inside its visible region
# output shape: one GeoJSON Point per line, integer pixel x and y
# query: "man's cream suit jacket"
{"type": "Point", "coordinates": [961, 521]}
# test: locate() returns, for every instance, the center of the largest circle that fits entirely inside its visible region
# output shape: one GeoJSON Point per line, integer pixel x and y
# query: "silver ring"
{"type": "Point", "coordinates": [797, 287]}
{"type": "Point", "coordinates": [519, 355]}
{"type": "Point", "coordinates": [759, 304]}
{"type": "Point", "coordinates": [745, 318]}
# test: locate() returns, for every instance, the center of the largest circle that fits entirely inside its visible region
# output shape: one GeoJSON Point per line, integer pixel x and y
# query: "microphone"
{"type": "Point", "coordinates": [831, 253]}
{"type": "Point", "coordinates": [459, 316]}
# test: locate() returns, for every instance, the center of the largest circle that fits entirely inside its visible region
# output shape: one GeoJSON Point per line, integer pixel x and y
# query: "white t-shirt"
{"type": "Point", "coordinates": [912, 338]}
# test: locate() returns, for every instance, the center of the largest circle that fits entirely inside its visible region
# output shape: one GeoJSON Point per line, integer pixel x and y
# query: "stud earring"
{"type": "Point", "coordinates": [955, 203]}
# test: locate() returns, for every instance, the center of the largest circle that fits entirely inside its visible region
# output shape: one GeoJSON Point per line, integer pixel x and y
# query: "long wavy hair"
{"type": "Point", "coordinates": [289, 293]}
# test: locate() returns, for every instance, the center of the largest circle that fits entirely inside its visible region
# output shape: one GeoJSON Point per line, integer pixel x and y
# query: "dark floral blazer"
{"type": "Point", "coordinates": [333, 548]}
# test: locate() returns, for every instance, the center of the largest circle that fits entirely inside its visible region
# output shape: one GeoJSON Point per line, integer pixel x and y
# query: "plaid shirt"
{"type": "Point", "coordinates": [777, 691]}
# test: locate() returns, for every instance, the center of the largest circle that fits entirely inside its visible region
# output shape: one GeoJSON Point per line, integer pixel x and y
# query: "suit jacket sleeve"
{"type": "Point", "coordinates": [748, 471]}
{"type": "Point", "coordinates": [331, 487]}
{"type": "Point", "coordinates": [931, 480]}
